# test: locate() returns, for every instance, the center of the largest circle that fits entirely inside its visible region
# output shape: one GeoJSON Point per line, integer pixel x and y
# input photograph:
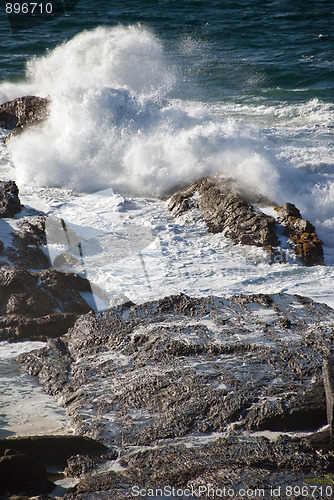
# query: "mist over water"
{"type": "Point", "coordinates": [113, 124]}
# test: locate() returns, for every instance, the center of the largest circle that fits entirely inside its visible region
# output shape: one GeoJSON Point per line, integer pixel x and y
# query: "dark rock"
{"type": "Point", "coordinates": [81, 465]}
{"type": "Point", "coordinates": [228, 463]}
{"type": "Point", "coordinates": [9, 199]}
{"type": "Point", "coordinates": [51, 450]}
{"type": "Point", "coordinates": [224, 210]}
{"type": "Point", "coordinates": [23, 473]}
{"type": "Point", "coordinates": [227, 211]}
{"type": "Point", "coordinates": [38, 305]}
{"type": "Point", "coordinates": [321, 440]}
{"type": "Point", "coordinates": [305, 411]}
{"type": "Point", "coordinates": [28, 243]}
{"type": "Point", "coordinates": [328, 374]}
{"type": "Point", "coordinates": [301, 234]}
{"type": "Point", "coordinates": [22, 112]}
{"type": "Point", "coordinates": [177, 371]}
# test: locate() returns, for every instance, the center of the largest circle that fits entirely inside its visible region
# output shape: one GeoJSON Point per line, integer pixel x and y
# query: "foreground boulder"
{"type": "Point", "coordinates": [195, 380]}
{"type": "Point", "coordinates": [228, 212]}
{"type": "Point", "coordinates": [22, 112]}
{"type": "Point", "coordinates": [38, 305]}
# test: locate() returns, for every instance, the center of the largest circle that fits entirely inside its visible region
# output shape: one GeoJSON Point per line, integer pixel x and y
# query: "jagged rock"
{"type": "Point", "coordinates": [22, 112]}
{"type": "Point", "coordinates": [179, 370]}
{"type": "Point", "coordinates": [328, 374]}
{"type": "Point", "coordinates": [228, 464]}
{"type": "Point", "coordinates": [27, 245]}
{"type": "Point", "coordinates": [226, 211]}
{"type": "Point", "coordinates": [39, 304]}
{"type": "Point", "coordinates": [81, 465]}
{"type": "Point", "coordinates": [9, 199]}
{"type": "Point", "coordinates": [301, 234]}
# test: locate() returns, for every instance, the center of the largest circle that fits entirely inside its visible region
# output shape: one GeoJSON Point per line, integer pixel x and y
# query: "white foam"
{"type": "Point", "coordinates": [111, 125]}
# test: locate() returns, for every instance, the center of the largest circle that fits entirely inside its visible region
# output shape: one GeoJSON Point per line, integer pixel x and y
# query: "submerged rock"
{"type": "Point", "coordinates": [9, 199]}
{"type": "Point", "coordinates": [227, 211]}
{"type": "Point", "coordinates": [194, 380]}
{"type": "Point", "coordinates": [22, 112]}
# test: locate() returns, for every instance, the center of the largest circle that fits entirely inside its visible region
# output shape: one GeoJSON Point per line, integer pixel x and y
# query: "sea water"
{"type": "Point", "coordinates": [148, 96]}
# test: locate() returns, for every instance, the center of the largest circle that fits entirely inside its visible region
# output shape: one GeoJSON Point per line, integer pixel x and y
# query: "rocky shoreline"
{"type": "Point", "coordinates": [179, 394]}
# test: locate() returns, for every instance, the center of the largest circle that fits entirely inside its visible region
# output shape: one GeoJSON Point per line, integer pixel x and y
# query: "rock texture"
{"type": "Point", "coordinates": [22, 112]}
{"type": "Point", "coordinates": [27, 244]}
{"type": "Point", "coordinates": [171, 374]}
{"type": "Point", "coordinates": [9, 199]}
{"type": "Point", "coordinates": [301, 234]}
{"type": "Point", "coordinates": [225, 210]}
{"type": "Point", "coordinates": [328, 374]}
{"type": "Point", "coordinates": [38, 305]}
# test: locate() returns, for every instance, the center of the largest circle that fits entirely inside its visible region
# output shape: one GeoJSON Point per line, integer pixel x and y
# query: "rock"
{"type": "Point", "coordinates": [28, 243]}
{"type": "Point", "coordinates": [23, 473]}
{"type": "Point", "coordinates": [53, 450]}
{"type": "Point", "coordinates": [22, 112]}
{"type": "Point", "coordinates": [227, 464]}
{"type": "Point", "coordinates": [301, 234]}
{"type": "Point", "coordinates": [321, 440]}
{"type": "Point", "coordinates": [38, 305]}
{"type": "Point", "coordinates": [225, 211]}
{"type": "Point", "coordinates": [81, 465]}
{"type": "Point", "coordinates": [328, 374]}
{"type": "Point", "coordinates": [9, 199]}
{"type": "Point", "coordinates": [174, 374]}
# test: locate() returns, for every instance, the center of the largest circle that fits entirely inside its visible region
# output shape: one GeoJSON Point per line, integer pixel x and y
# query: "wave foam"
{"type": "Point", "coordinates": [111, 125]}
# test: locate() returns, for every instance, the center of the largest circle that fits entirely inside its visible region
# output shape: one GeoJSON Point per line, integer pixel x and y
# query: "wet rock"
{"type": "Point", "coordinates": [22, 112]}
{"type": "Point", "coordinates": [321, 440]}
{"type": "Point", "coordinates": [227, 464]}
{"type": "Point", "coordinates": [23, 473]}
{"type": "Point", "coordinates": [51, 450]}
{"type": "Point", "coordinates": [225, 211]}
{"type": "Point", "coordinates": [172, 374]}
{"type": "Point", "coordinates": [306, 412]}
{"type": "Point", "coordinates": [328, 374]}
{"type": "Point", "coordinates": [27, 245]}
{"type": "Point", "coordinates": [301, 234]}
{"type": "Point", "coordinates": [9, 199]}
{"type": "Point", "coordinates": [81, 465]}
{"type": "Point", "coordinates": [38, 305]}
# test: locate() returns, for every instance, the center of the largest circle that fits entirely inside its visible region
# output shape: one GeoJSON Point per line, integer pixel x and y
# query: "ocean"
{"type": "Point", "coordinates": [147, 96]}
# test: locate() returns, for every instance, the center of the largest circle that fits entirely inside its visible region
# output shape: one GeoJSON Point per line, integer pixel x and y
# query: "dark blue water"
{"type": "Point", "coordinates": [268, 50]}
